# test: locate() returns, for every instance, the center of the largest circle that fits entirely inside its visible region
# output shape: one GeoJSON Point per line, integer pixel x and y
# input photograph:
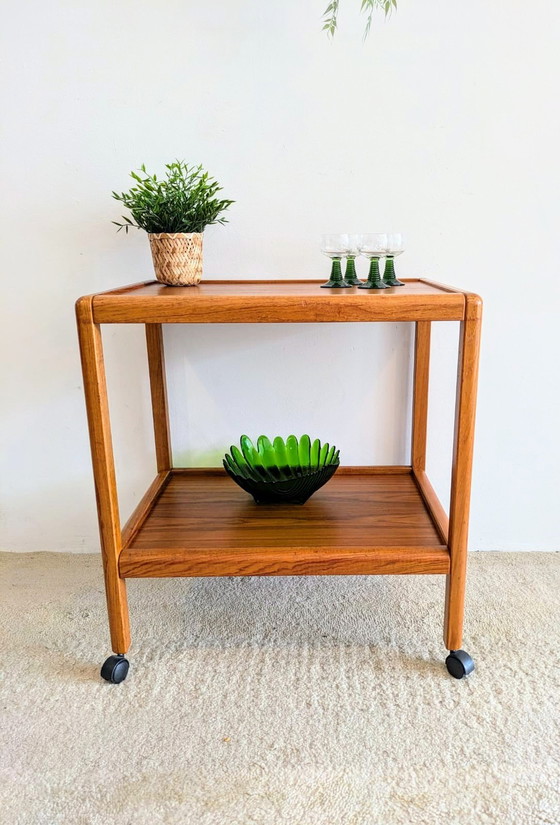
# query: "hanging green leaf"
{"type": "Point", "coordinates": [330, 15]}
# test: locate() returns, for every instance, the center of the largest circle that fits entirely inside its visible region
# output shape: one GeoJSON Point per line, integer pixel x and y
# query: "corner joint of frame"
{"type": "Point", "coordinates": [84, 309]}
{"type": "Point", "coordinates": [473, 306]}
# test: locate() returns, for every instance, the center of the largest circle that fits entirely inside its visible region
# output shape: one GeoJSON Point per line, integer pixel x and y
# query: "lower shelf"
{"type": "Point", "coordinates": [364, 521]}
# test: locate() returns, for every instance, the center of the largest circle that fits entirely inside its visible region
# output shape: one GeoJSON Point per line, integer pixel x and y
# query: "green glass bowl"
{"type": "Point", "coordinates": [279, 471]}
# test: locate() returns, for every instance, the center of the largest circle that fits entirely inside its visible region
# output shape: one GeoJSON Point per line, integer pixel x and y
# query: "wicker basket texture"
{"type": "Point", "coordinates": [177, 257]}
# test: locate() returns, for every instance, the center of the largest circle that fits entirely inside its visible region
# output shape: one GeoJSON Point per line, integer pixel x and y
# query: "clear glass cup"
{"type": "Point", "coordinates": [335, 247]}
{"type": "Point", "coordinates": [395, 246]}
{"type": "Point", "coordinates": [373, 246]}
{"type": "Point", "coordinates": [350, 275]}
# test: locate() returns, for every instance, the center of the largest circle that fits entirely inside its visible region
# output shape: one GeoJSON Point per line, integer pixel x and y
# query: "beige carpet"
{"type": "Point", "coordinates": [270, 701]}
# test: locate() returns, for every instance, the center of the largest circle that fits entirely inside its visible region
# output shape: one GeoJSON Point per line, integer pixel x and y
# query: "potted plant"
{"type": "Point", "coordinates": [174, 212]}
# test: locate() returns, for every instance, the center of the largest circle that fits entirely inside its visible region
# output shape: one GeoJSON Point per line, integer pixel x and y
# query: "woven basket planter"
{"type": "Point", "coordinates": [177, 257]}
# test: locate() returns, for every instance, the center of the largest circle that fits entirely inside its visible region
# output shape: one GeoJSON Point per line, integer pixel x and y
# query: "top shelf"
{"type": "Point", "coordinates": [276, 302]}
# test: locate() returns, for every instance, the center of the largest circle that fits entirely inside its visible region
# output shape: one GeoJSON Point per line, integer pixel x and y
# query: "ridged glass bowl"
{"type": "Point", "coordinates": [279, 471]}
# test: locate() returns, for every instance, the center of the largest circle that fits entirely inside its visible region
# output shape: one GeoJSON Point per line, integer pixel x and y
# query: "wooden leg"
{"type": "Point", "coordinates": [156, 364]}
{"type": "Point", "coordinates": [420, 394]}
{"type": "Point", "coordinates": [95, 389]}
{"type": "Point", "coordinates": [467, 379]}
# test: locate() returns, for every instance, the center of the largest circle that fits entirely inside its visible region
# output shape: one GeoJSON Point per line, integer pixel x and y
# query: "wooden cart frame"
{"type": "Point", "coordinates": [367, 520]}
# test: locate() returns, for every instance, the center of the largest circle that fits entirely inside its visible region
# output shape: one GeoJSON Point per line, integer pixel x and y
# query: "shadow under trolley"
{"type": "Point", "coordinates": [366, 520]}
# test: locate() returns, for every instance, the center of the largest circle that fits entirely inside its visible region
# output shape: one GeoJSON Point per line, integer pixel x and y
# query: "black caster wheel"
{"type": "Point", "coordinates": [459, 663]}
{"type": "Point", "coordinates": [115, 669]}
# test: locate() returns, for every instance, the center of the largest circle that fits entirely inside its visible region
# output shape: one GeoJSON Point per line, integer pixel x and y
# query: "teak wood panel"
{"type": "Point", "coordinates": [144, 506]}
{"type": "Point", "coordinates": [95, 390]}
{"type": "Point", "coordinates": [276, 302]}
{"type": "Point", "coordinates": [465, 412]}
{"type": "Point", "coordinates": [271, 288]}
{"type": "Point", "coordinates": [420, 394]}
{"type": "Point", "coordinates": [202, 524]}
{"type": "Point", "coordinates": [158, 389]}
{"type": "Point", "coordinates": [432, 502]}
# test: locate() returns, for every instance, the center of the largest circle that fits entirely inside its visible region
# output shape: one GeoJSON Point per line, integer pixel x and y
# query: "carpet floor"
{"type": "Point", "coordinates": [311, 701]}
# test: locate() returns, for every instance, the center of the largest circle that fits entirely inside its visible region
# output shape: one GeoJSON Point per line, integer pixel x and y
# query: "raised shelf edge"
{"type": "Point", "coordinates": [282, 561]}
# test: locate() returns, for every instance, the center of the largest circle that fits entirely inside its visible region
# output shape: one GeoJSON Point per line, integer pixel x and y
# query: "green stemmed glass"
{"type": "Point", "coordinates": [395, 246]}
{"type": "Point", "coordinates": [351, 276]}
{"type": "Point", "coordinates": [373, 246]}
{"type": "Point", "coordinates": [335, 247]}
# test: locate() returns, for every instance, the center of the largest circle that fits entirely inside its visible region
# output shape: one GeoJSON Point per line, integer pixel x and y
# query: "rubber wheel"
{"type": "Point", "coordinates": [459, 664]}
{"type": "Point", "coordinates": [115, 669]}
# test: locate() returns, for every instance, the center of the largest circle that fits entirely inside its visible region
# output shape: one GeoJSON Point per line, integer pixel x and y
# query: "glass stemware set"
{"type": "Point", "coordinates": [373, 247]}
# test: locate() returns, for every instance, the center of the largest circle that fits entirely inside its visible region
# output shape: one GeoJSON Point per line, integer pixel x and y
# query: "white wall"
{"type": "Point", "coordinates": [444, 125]}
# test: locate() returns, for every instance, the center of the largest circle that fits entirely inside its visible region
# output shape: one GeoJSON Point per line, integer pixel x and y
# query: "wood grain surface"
{"type": "Point", "coordinates": [158, 390]}
{"type": "Point", "coordinates": [144, 506]}
{"type": "Point", "coordinates": [432, 502]}
{"type": "Point", "coordinates": [459, 509]}
{"type": "Point", "coordinates": [202, 524]}
{"type": "Point", "coordinates": [276, 302]}
{"type": "Point", "coordinates": [420, 394]}
{"type": "Point", "coordinates": [97, 408]}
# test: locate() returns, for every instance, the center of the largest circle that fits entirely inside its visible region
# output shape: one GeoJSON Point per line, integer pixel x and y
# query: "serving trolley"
{"type": "Point", "coordinates": [366, 520]}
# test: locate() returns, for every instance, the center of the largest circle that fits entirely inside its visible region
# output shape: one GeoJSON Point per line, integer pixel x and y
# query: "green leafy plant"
{"type": "Point", "coordinates": [184, 201]}
{"type": "Point", "coordinates": [330, 16]}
